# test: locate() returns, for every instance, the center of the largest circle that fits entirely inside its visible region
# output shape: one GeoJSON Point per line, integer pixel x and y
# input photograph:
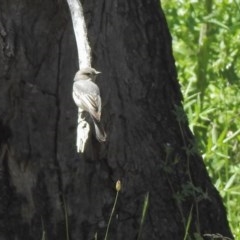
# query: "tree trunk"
{"type": "Point", "coordinates": [48, 191]}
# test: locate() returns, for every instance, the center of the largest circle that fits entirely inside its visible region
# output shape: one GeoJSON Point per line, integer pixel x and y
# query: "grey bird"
{"type": "Point", "coordinates": [86, 95]}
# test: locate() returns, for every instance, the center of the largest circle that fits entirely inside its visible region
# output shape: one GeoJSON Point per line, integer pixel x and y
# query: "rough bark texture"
{"type": "Point", "coordinates": [46, 188]}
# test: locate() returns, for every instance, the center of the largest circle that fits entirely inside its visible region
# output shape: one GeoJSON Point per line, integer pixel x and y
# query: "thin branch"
{"type": "Point", "coordinates": [80, 31]}
{"type": "Point", "coordinates": [84, 59]}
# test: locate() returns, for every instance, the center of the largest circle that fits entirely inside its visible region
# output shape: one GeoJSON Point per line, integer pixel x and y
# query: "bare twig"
{"type": "Point", "coordinates": [84, 59]}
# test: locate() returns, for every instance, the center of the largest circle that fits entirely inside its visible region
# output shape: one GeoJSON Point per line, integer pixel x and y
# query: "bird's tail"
{"type": "Point", "coordinates": [100, 133]}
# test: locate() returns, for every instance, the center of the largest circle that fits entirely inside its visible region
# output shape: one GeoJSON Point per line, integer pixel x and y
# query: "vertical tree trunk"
{"type": "Point", "coordinates": [48, 191]}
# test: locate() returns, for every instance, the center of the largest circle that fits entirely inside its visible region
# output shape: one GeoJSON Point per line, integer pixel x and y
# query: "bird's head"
{"type": "Point", "coordinates": [86, 73]}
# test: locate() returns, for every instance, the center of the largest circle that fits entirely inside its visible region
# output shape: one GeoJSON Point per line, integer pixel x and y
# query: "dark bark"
{"type": "Point", "coordinates": [149, 148]}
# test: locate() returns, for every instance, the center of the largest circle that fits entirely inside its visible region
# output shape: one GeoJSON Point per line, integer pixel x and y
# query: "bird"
{"type": "Point", "coordinates": [86, 95]}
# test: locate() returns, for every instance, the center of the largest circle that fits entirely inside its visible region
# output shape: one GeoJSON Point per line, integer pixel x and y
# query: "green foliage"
{"type": "Point", "coordinates": [144, 212]}
{"type": "Point", "coordinates": [206, 45]}
{"type": "Point", "coordinates": [188, 224]}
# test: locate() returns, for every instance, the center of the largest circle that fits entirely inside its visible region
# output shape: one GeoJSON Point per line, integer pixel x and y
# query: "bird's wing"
{"type": "Point", "coordinates": [92, 103]}
{"type": "Point", "coordinates": [87, 100]}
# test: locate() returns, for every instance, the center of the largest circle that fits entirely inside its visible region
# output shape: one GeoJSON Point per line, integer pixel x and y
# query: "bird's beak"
{"type": "Point", "coordinates": [97, 72]}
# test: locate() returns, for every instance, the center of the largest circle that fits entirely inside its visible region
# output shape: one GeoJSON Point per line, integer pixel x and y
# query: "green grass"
{"type": "Point", "coordinates": [206, 48]}
{"type": "Point", "coordinates": [144, 212]}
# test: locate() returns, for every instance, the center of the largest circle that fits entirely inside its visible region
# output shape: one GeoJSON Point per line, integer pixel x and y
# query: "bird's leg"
{"type": "Point", "coordinates": [80, 115]}
{"type": "Point", "coordinates": [83, 130]}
